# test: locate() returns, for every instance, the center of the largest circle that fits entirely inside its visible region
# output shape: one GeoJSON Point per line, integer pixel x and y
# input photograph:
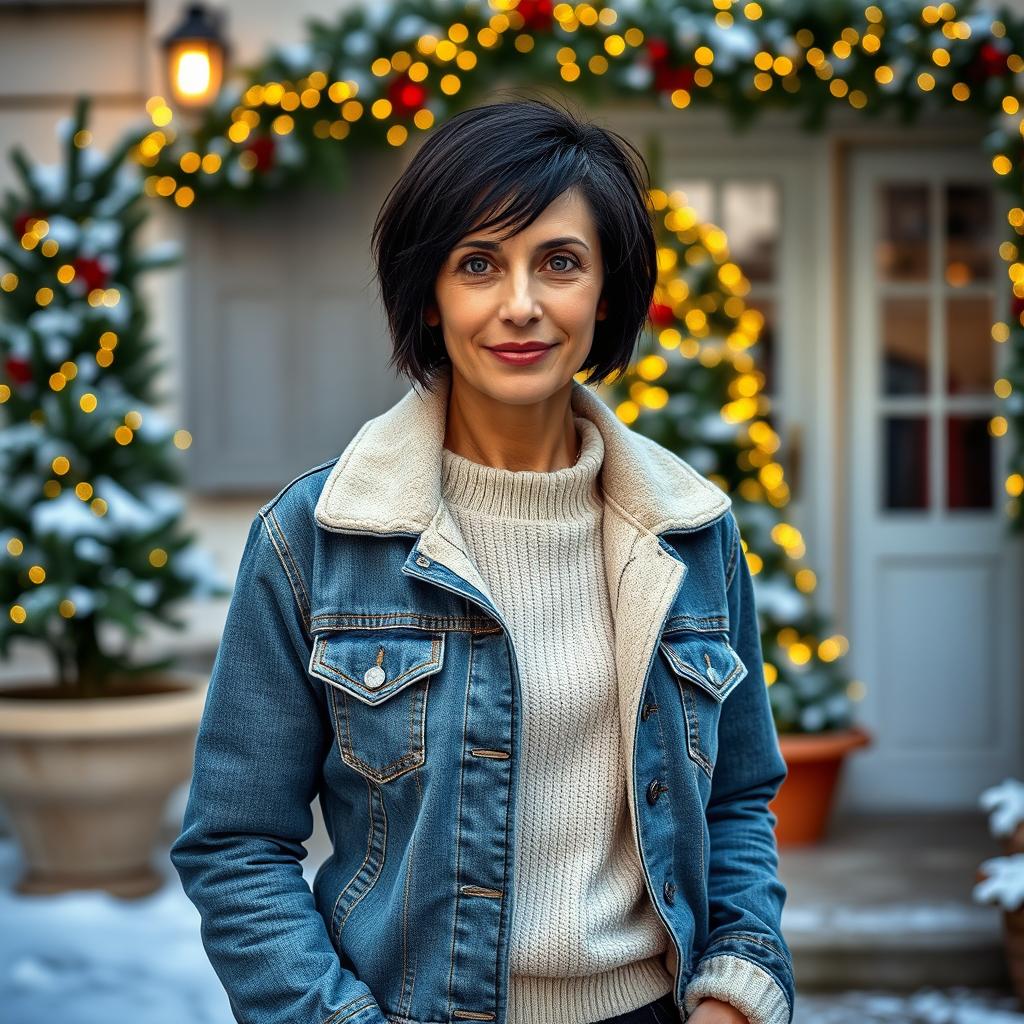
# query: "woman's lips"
{"type": "Point", "coordinates": [521, 358]}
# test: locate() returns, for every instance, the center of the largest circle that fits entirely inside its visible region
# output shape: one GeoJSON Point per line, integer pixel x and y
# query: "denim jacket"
{"type": "Point", "coordinates": [364, 664]}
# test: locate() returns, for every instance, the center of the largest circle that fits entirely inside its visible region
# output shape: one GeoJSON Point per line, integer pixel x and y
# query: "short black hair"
{"type": "Point", "coordinates": [514, 157]}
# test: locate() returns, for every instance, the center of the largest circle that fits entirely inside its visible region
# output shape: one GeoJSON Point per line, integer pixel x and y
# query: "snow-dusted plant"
{"type": "Point", "coordinates": [1005, 804]}
{"type": "Point", "coordinates": [91, 542]}
{"type": "Point", "coordinates": [1003, 881]}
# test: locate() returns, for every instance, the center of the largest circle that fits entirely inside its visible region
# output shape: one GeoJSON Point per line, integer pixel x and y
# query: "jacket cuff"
{"type": "Point", "coordinates": [745, 985]}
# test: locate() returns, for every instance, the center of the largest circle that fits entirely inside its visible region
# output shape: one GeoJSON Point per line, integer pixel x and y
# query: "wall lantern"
{"type": "Point", "coordinates": [196, 53]}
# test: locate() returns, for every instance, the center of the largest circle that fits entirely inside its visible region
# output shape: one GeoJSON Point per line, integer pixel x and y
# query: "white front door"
{"type": "Point", "coordinates": [935, 583]}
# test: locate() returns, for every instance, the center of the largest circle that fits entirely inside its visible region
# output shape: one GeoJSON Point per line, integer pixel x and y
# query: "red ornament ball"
{"type": "Point", "coordinates": [537, 15]}
{"type": "Point", "coordinates": [988, 62]}
{"type": "Point", "coordinates": [18, 370]}
{"type": "Point", "coordinates": [661, 315]}
{"type": "Point", "coordinates": [657, 50]}
{"type": "Point", "coordinates": [405, 95]}
{"type": "Point", "coordinates": [90, 272]}
{"type": "Point", "coordinates": [262, 147]}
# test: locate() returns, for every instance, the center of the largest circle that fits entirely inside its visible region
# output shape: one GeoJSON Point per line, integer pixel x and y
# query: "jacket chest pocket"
{"type": "Point", "coordinates": [379, 682]}
{"type": "Point", "coordinates": [707, 668]}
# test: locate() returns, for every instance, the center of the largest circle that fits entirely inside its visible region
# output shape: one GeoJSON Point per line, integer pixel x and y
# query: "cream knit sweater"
{"type": "Point", "coordinates": [586, 942]}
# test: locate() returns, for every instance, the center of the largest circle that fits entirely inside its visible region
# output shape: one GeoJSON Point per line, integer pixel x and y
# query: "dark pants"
{"type": "Point", "coordinates": [661, 1011]}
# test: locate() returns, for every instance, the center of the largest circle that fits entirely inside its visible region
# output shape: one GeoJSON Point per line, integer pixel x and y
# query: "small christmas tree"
{"type": "Point", "coordinates": [696, 389]}
{"type": "Point", "coordinates": [90, 538]}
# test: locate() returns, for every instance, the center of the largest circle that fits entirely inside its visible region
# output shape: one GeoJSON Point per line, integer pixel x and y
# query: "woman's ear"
{"type": "Point", "coordinates": [431, 316]}
{"type": "Point", "coordinates": [602, 309]}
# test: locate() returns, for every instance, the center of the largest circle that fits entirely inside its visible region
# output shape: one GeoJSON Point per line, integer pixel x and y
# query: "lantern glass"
{"type": "Point", "coordinates": [196, 68]}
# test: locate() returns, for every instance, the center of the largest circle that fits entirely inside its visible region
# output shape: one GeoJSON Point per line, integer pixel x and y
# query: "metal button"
{"type": "Point", "coordinates": [654, 790]}
{"type": "Point", "coordinates": [648, 710]}
{"type": "Point", "coordinates": [670, 893]}
{"type": "Point", "coordinates": [374, 677]}
{"type": "Point", "coordinates": [423, 560]}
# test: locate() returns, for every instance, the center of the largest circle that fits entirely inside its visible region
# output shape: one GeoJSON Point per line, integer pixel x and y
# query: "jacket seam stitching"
{"type": "Point", "coordinates": [404, 947]}
{"type": "Point", "coordinates": [335, 1019]}
{"type": "Point", "coordinates": [750, 937]}
{"type": "Point", "coordinates": [288, 576]}
{"type": "Point", "coordinates": [304, 603]}
{"type": "Point", "coordinates": [335, 930]}
{"type": "Point", "coordinates": [377, 620]}
{"type": "Point", "coordinates": [730, 570]}
{"type": "Point", "coordinates": [458, 839]}
{"type": "Point", "coordinates": [370, 881]}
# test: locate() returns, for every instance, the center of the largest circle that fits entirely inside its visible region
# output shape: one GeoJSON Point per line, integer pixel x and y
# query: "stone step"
{"type": "Point", "coordinates": [885, 902]}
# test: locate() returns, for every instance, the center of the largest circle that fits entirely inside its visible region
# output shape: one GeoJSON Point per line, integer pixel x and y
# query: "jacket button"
{"type": "Point", "coordinates": [654, 790]}
{"type": "Point", "coordinates": [670, 893]}
{"type": "Point", "coordinates": [648, 710]}
{"type": "Point", "coordinates": [374, 677]}
{"type": "Point", "coordinates": [423, 560]}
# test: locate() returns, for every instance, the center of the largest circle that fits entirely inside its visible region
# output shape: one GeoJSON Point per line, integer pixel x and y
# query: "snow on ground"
{"type": "Point", "coordinates": [89, 958]}
{"type": "Point", "coordinates": [926, 1006]}
{"type": "Point", "coordinates": [921, 917]}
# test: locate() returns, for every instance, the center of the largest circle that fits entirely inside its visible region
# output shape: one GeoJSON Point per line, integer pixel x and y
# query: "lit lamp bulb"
{"type": "Point", "coordinates": [196, 52]}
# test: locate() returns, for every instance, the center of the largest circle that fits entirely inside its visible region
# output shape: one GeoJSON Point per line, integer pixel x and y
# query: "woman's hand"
{"type": "Point", "coordinates": [714, 1011]}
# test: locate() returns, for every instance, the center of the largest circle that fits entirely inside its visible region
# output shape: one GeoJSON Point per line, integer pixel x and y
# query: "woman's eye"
{"type": "Point", "coordinates": [574, 264]}
{"type": "Point", "coordinates": [473, 259]}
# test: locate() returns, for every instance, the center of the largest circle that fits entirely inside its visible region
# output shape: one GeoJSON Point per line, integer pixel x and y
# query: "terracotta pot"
{"type": "Point", "coordinates": [85, 781]}
{"type": "Point", "coordinates": [804, 801]}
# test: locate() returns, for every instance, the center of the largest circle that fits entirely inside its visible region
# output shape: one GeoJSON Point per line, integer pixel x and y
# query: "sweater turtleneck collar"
{"type": "Point", "coordinates": [568, 493]}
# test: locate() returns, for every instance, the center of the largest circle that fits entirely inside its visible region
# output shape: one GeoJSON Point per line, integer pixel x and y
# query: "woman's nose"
{"type": "Point", "coordinates": [520, 301]}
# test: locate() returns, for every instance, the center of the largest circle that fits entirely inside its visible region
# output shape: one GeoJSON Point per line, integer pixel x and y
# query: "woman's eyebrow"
{"type": "Point", "coordinates": [478, 243]}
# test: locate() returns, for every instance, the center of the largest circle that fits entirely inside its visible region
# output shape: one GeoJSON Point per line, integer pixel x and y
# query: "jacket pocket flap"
{"type": "Point", "coordinates": [374, 665]}
{"type": "Point", "coordinates": [707, 659]}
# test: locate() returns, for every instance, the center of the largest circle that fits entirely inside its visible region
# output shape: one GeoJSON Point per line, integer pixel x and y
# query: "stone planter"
{"type": "Point", "coordinates": [85, 781]}
{"type": "Point", "coordinates": [804, 802]}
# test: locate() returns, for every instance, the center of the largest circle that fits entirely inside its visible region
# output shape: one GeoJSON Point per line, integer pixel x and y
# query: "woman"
{"type": "Point", "coordinates": [509, 644]}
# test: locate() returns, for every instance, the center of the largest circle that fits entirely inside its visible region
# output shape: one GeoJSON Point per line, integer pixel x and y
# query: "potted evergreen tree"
{"type": "Point", "coordinates": [91, 543]}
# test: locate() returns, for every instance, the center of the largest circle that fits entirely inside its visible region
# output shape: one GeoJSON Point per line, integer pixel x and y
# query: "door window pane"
{"type": "Point", "coordinates": [750, 216]}
{"type": "Point", "coordinates": [970, 351]}
{"type": "Point", "coordinates": [902, 248]}
{"type": "Point", "coordinates": [970, 462]}
{"type": "Point", "coordinates": [969, 247]}
{"type": "Point", "coordinates": [698, 195]}
{"type": "Point", "coordinates": [904, 346]}
{"type": "Point", "coordinates": [906, 461]}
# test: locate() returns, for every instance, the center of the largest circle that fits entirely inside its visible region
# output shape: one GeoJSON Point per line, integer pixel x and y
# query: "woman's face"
{"type": "Point", "coordinates": [542, 285]}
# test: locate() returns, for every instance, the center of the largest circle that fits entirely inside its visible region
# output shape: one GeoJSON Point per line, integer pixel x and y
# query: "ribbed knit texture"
{"type": "Point", "coordinates": [586, 942]}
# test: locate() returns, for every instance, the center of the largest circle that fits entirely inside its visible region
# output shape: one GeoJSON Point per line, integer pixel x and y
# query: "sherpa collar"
{"type": "Point", "coordinates": [388, 478]}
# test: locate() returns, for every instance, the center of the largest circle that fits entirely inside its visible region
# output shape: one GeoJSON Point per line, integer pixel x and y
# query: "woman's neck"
{"type": "Point", "coordinates": [540, 437]}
